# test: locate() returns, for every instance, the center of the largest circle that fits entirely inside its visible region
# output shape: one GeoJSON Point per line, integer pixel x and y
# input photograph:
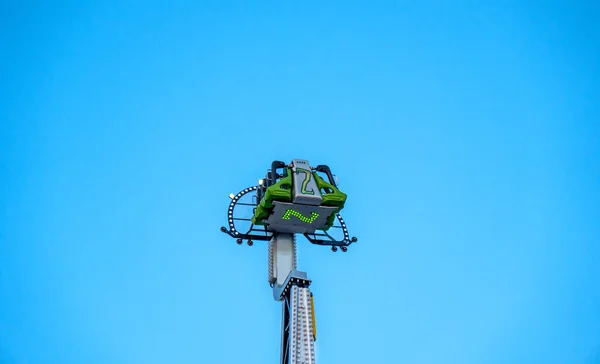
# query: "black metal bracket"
{"type": "Point", "coordinates": [325, 169]}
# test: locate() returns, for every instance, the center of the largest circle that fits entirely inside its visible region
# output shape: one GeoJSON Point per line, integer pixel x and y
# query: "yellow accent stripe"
{"type": "Point", "coordinates": [314, 321]}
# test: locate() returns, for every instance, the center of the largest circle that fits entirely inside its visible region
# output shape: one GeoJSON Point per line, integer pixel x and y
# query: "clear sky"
{"type": "Point", "coordinates": [465, 134]}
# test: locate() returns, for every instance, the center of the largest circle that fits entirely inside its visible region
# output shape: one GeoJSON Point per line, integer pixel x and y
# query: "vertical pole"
{"type": "Point", "coordinates": [297, 340]}
{"type": "Point", "coordinates": [297, 326]}
{"type": "Point", "coordinates": [282, 257]}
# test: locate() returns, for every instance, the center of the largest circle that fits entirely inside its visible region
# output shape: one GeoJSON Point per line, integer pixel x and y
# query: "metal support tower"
{"type": "Point", "coordinates": [298, 331]}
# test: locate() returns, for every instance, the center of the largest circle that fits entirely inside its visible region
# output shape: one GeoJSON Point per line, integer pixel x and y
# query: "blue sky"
{"type": "Point", "coordinates": [465, 135]}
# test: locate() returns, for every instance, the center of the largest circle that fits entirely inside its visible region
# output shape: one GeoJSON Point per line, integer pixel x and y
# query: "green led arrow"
{"type": "Point", "coordinates": [309, 220]}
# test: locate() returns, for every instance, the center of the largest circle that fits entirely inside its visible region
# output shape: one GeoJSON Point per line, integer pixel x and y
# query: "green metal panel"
{"type": "Point", "coordinates": [334, 197]}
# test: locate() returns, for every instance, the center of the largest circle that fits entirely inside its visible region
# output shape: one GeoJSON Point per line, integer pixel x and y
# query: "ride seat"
{"type": "Point", "coordinates": [280, 191]}
{"type": "Point", "coordinates": [332, 196]}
